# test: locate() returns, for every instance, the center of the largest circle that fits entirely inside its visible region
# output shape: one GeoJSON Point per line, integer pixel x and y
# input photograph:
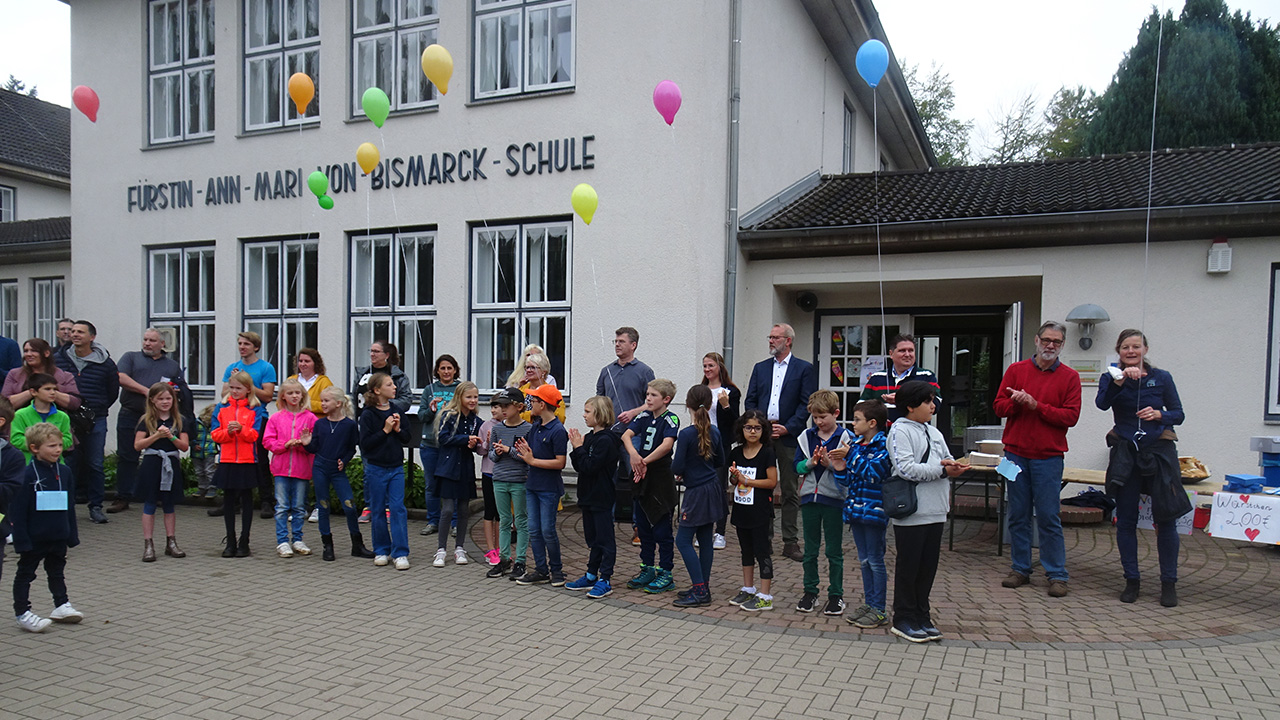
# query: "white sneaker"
{"type": "Point", "coordinates": [301, 548]}
{"type": "Point", "coordinates": [283, 550]}
{"type": "Point", "coordinates": [314, 516]}
{"type": "Point", "coordinates": [64, 613]}
{"type": "Point", "coordinates": [459, 556]}
{"type": "Point", "coordinates": [32, 622]}
{"type": "Point", "coordinates": [381, 560]}
{"type": "Point", "coordinates": [717, 541]}
{"type": "Point", "coordinates": [402, 563]}
{"type": "Point", "coordinates": [439, 561]}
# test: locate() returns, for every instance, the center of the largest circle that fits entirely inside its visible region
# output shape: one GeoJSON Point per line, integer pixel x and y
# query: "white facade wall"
{"type": "Point", "coordinates": [34, 200]}
{"type": "Point", "coordinates": [24, 277]}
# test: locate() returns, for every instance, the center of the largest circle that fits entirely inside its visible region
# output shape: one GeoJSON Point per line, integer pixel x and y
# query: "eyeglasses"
{"type": "Point", "coordinates": [1050, 341]}
{"type": "Point", "coordinates": [777, 337]}
{"type": "Point", "coordinates": [752, 428]}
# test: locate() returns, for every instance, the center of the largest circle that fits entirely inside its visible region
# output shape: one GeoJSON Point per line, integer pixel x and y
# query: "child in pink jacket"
{"type": "Point", "coordinates": [286, 437]}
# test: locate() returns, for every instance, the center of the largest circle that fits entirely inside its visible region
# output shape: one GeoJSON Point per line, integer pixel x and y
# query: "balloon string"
{"type": "Point", "coordinates": [875, 178]}
{"type": "Point", "coordinates": [1146, 240]}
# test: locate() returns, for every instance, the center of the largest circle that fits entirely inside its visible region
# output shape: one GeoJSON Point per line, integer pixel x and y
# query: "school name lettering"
{"type": "Point", "coordinates": [543, 157]}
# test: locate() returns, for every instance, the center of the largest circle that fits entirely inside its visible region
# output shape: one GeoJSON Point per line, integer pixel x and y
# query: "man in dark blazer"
{"type": "Point", "coordinates": [780, 387]}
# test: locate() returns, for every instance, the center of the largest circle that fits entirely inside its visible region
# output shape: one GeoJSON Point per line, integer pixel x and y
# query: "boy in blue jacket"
{"type": "Point", "coordinates": [44, 526]}
{"type": "Point", "coordinates": [866, 468]}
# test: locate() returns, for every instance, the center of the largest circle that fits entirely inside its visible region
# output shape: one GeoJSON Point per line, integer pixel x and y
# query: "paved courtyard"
{"type": "Point", "coordinates": [207, 637]}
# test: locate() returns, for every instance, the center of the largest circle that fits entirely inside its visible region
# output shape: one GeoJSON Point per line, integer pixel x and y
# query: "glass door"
{"type": "Point", "coordinates": [850, 348]}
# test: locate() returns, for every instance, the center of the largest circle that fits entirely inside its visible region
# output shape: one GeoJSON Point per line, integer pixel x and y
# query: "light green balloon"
{"type": "Point", "coordinates": [319, 183]}
{"type": "Point", "coordinates": [376, 105]}
{"type": "Point", "coordinates": [326, 202]}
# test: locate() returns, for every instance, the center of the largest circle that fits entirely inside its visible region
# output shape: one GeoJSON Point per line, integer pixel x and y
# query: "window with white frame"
{"type": "Point", "coordinates": [9, 309]}
{"type": "Point", "coordinates": [523, 46]}
{"type": "Point", "coordinates": [282, 297]}
{"type": "Point", "coordinates": [393, 299]}
{"type": "Point", "coordinates": [387, 38]}
{"type": "Point", "coordinates": [47, 304]}
{"type": "Point", "coordinates": [180, 304]}
{"type": "Point", "coordinates": [521, 294]}
{"type": "Point", "coordinates": [6, 204]}
{"type": "Point", "coordinates": [848, 138]}
{"type": "Point", "coordinates": [281, 37]}
{"type": "Point", "coordinates": [180, 78]}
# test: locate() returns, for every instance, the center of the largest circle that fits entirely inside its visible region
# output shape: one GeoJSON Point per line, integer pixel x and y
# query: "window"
{"type": "Point", "coordinates": [9, 309]}
{"type": "Point", "coordinates": [180, 81]}
{"type": "Point", "coordinates": [523, 46]}
{"type": "Point", "coordinates": [6, 204]}
{"type": "Point", "coordinates": [393, 299]}
{"type": "Point", "coordinates": [520, 295]}
{"type": "Point", "coordinates": [46, 297]}
{"type": "Point", "coordinates": [180, 303]}
{"type": "Point", "coordinates": [848, 138]}
{"type": "Point", "coordinates": [281, 37]}
{"type": "Point", "coordinates": [282, 298]}
{"type": "Point", "coordinates": [388, 37]}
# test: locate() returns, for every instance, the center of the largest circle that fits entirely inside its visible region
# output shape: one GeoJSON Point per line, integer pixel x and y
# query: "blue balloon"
{"type": "Point", "coordinates": [872, 60]}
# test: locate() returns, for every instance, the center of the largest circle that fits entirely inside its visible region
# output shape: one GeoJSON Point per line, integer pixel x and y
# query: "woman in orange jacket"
{"type": "Point", "coordinates": [237, 422]}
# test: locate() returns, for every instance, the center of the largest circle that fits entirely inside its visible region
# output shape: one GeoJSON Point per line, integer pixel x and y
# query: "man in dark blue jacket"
{"type": "Point", "coordinates": [98, 380]}
{"type": "Point", "coordinates": [780, 387]}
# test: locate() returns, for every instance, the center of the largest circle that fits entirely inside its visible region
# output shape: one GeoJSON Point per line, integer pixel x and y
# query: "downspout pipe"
{"type": "Point", "coordinates": [731, 184]}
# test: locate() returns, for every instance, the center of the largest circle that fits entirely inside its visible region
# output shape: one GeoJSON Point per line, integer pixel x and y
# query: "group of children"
{"type": "Point", "coordinates": [522, 484]}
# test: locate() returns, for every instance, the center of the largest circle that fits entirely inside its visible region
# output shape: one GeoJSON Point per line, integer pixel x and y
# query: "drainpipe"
{"type": "Point", "coordinates": [731, 186]}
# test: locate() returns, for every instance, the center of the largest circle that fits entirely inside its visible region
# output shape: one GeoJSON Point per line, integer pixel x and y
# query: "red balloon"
{"type": "Point", "coordinates": [86, 101]}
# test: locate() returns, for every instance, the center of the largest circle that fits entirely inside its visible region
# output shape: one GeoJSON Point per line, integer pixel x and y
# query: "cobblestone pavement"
{"type": "Point", "coordinates": [206, 637]}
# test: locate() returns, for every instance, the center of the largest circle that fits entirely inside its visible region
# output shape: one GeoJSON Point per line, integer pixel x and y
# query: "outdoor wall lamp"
{"type": "Point", "coordinates": [1086, 316]}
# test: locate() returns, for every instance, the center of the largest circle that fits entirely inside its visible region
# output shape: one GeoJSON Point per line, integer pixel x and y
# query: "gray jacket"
{"type": "Point", "coordinates": [820, 480]}
{"type": "Point", "coordinates": [907, 442]}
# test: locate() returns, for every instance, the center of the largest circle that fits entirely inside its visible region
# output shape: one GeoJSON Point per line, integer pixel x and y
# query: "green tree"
{"type": "Point", "coordinates": [1219, 83]}
{"type": "Point", "coordinates": [1066, 121]}
{"type": "Point", "coordinates": [16, 85]}
{"type": "Point", "coordinates": [936, 103]}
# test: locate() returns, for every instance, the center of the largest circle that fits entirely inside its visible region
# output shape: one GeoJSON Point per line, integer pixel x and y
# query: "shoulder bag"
{"type": "Point", "coordinates": [898, 494]}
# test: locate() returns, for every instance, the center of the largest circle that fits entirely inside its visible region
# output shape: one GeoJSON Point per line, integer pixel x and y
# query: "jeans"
{"type": "Point", "coordinates": [1167, 540]}
{"type": "Point", "coordinates": [696, 560]}
{"type": "Point", "coordinates": [597, 530]}
{"type": "Point", "coordinates": [875, 579]}
{"type": "Point", "coordinates": [429, 457]}
{"type": "Point", "coordinates": [291, 501]}
{"type": "Point", "coordinates": [1039, 485]}
{"type": "Point", "coordinates": [542, 505]}
{"type": "Point", "coordinates": [919, 547]}
{"type": "Point", "coordinates": [819, 521]}
{"type": "Point", "coordinates": [328, 477]}
{"type": "Point", "coordinates": [87, 462]}
{"type": "Point", "coordinates": [512, 501]}
{"type": "Point", "coordinates": [126, 457]}
{"type": "Point", "coordinates": [54, 556]}
{"type": "Point", "coordinates": [656, 535]}
{"type": "Point", "coordinates": [383, 489]}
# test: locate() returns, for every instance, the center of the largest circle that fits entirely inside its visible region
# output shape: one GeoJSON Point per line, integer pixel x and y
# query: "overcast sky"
{"type": "Point", "coordinates": [996, 51]}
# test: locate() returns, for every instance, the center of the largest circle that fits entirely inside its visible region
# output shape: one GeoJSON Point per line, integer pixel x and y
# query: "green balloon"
{"type": "Point", "coordinates": [319, 183]}
{"type": "Point", "coordinates": [376, 105]}
{"type": "Point", "coordinates": [326, 202]}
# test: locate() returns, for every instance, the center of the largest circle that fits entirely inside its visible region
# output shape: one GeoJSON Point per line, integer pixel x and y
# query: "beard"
{"type": "Point", "coordinates": [1047, 355]}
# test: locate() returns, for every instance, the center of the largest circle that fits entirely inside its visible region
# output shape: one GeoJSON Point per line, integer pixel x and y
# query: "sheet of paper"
{"type": "Point", "coordinates": [1008, 469]}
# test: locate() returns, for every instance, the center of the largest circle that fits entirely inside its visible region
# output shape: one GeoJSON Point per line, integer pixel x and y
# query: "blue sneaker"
{"type": "Point", "coordinates": [600, 589]}
{"type": "Point", "coordinates": [661, 582]}
{"type": "Point", "coordinates": [907, 631]}
{"type": "Point", "coordinates": [582, 583]}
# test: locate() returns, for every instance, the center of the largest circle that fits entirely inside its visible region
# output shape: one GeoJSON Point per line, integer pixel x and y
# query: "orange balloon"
{"type": "Point", "coordinates": [301, 89]}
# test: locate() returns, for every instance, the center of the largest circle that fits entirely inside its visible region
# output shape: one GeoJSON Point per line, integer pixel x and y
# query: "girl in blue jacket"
{"type": "Point", "coordinates": [699, 455]}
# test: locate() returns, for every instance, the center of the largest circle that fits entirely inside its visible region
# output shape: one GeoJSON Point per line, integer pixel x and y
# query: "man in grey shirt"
{"type": "Point", "coordinates": [625, 381]}
{"type": "Point", "coordinates": [138, 371]}
{"type": "Point", "coordinates": [509, 475]}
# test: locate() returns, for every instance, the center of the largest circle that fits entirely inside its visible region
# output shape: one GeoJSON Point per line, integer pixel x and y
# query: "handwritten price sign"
{"type": "Point", "coordinates": [1255, 518]}
{"type": "Point", "coordinates": [1147, 522]}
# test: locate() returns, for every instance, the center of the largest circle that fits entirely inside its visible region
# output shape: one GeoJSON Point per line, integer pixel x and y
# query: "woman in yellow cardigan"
{"type": "Point", "coordinates": [310, 372]}
{"type": "Point", "coordinates": [536, 369]}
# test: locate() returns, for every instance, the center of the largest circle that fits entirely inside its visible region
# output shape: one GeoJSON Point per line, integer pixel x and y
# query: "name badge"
{"type": "Point", "coordinates": [51, 500]}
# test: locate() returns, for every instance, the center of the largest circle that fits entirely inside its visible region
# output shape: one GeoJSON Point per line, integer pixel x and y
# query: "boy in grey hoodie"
{"type": "Point", "coordinates": [822, 500]}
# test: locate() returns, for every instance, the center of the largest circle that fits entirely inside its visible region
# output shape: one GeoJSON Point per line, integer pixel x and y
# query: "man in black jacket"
{"type": "Point", "coordinates": [98, 380]}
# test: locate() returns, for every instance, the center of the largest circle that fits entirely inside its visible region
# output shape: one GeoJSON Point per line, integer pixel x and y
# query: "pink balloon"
{"type": "Point", "coordinates": [666, 98]}
{"type": "Point", "coordinates": [86, 101]}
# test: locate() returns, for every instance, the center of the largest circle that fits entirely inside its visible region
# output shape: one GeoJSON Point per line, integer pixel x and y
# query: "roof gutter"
{"type": "Point", "coordinates": [34, 252]}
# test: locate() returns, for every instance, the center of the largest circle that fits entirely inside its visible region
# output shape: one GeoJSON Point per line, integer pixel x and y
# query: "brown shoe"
{"type": "Point", "coordinates": [171, 548]}
{"type": "Point", "coordinates": [148, 551]}
{"type": "Point", "coordinates": [1057, 588]}
{"type": "Point", "coordinates": [118, 505]}
{"type": "Point", "coordinates": [1016, 579]}
{"type": "Point", "coordinates": [792, 550]}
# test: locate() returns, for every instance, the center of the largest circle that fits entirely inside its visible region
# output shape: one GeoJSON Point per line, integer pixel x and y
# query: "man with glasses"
{"type": "Point", "coordinates": [1040, 398]}
{"type": "Point", "coordinates": [625, 381]}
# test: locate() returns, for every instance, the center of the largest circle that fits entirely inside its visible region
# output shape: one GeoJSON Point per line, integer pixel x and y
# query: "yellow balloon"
{"type": "Point", "coordinates": [301, 89]}
{"type": "Point", "coordinates": [585, 201]}
{"type": "Point", "coordinates": [437, 65]}
{"type": "Point", "coordinates": [367, 156]}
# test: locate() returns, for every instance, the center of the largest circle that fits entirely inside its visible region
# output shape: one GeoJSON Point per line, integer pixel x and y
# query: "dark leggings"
{"type": "Point", "coordinates": [229, 498]}
{"type": "Point", "coordinates": [448, 507]}
{"type": "Point", "coordinates": [757, 549]}
{"type": "Point", "coordinates": [54, 556]}
{"type": "Point", "coordinates": [919, 547]}
{"type": "Point", "coordinates": [597, 530]}
{"type": "Point", "coordinates": [696, 560]}
{"type": "Point", "coordinates": [490, 502]}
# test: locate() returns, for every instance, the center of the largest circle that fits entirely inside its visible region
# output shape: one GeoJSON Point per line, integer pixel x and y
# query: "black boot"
{"type": "Point", "coordinates": [327, 541]}
{"type": "Point", "coordinates": [243, 549]}
{"type": "Point", "coordinates": [1130, 593]}
{"type": "Point", "coordinates": [230, 550]}
{"type": "Point", "coordinates": [1169, 594]}
{"type": "Point", "coordinates": [357, 547]}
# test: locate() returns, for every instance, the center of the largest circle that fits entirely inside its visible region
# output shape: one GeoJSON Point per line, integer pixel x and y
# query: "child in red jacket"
{"type": "Point", "coordinates": [236, 424]}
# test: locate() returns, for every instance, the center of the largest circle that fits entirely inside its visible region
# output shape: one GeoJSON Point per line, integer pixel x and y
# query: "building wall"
{"type": "Point", "coordinates": [34, 200]}
{"type": "Point", "coordinates": [24, 277]}
{"type": "Point", "coordinates": [1209, 331]}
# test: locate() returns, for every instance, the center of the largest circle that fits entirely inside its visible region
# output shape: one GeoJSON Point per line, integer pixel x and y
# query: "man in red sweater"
{"type": "Point", "coordinates": [1041, 399]}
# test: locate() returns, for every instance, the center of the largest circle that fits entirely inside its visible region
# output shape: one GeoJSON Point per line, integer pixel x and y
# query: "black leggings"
{"type": "Point", "coordinates": [229, 498]}
{"type": "Point", "coordinates": [490, 502]}
{"type": "Point", "coordinates": [54, 557]}
{"type": "Point", "coordinates": [919, 547]}
{"type": "Point", "coordinates": [448, 507]}
{"type": "Point", "coordinates": [757, 548]}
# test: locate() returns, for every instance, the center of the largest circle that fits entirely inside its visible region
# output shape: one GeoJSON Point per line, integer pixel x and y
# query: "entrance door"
{"type": "Point", "coordinates": [850, 348]}
{"type": "Point", "coordinates": [968, 365]}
